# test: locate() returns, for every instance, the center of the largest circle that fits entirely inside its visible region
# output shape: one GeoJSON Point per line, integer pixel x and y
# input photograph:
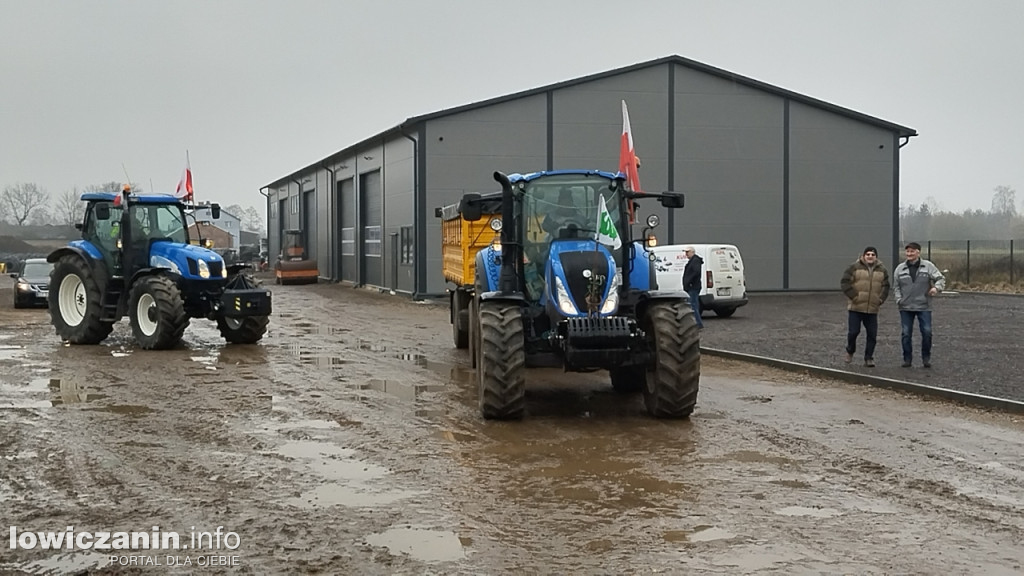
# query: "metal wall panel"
{"type": "Point", "coordinates": [399, 201]}
{"type": "Point", "coordinates": [730, 163]}
{"type": "Point", "coordinates": [841, 195]}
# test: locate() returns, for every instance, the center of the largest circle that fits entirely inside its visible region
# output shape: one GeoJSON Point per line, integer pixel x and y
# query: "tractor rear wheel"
{"type": "Point", "coordinates": [501, 364]}
{"type": "Point", "coordinates": [76, 302]}
{"type": "Point", "coordinates": [674, 378]}
{"type": "Point", "coordinates": [157, 313]}
{"type": "Point", "coordinates": [246, 330]}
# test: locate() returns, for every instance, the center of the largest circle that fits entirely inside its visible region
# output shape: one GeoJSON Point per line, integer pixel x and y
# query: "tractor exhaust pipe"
{"type": "Point", "coordinates": [507, 282]}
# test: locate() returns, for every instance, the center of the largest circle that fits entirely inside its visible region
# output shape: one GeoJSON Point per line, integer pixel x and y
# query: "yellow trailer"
{"type": "Point", "coordinates": [460, 242]}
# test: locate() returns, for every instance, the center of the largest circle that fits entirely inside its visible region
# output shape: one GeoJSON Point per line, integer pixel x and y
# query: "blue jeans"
{"type": "Point", "coordinates": [695, 304]}
{"type": "Point", "coordinates": [924, 322]}
{"type": "Point", "coordinates": [870, 322]}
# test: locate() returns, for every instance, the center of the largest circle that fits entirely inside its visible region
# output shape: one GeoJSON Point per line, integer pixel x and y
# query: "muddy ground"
{"type": "Point", "coordinates": [976, 343]}
{"type": "Point", "coordinates": [349, 442]}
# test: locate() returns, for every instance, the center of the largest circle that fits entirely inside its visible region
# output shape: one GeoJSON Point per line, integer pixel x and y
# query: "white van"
{"type": "Point", "coordinates": [724, 288]}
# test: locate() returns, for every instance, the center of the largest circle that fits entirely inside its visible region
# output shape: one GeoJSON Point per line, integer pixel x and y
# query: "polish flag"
{"type": "Point", "coordinates": [627, 154]}
{"type": "Point", "coordinates": [184, 189]}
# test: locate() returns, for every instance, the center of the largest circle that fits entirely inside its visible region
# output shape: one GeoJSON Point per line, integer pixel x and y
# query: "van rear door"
{"type": "Point", "coordinates": [669, 262]}
{"type": "Point", "coordinates": [726, 268]}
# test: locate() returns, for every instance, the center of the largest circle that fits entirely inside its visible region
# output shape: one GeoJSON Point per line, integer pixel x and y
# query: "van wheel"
{"type": "Point", "coordinates": [724, 312]}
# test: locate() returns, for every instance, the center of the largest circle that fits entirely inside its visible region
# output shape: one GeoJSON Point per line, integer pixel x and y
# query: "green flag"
{"type": "Point", "coordinates": [606, 232]}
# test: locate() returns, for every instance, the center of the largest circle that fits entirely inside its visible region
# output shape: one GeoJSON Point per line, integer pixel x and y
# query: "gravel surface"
{"type": "Point", "coordinates": [976, 338]}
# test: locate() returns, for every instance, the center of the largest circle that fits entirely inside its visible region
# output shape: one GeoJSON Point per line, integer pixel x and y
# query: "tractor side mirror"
{"type": "Point", "coordinates": [103, 211]}
{"type": "Point", "coordinates": [215, 211]}
{"type": "Point", "coordinates": [672, 201]}
{"type": "Point", "coordinates": [470, 207]}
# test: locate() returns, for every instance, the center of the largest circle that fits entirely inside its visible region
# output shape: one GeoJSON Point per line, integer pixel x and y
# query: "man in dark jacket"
{"type": "Point", "coordinates": [866, 284]}
{"type": "Point", "coordinates": [691, 281]}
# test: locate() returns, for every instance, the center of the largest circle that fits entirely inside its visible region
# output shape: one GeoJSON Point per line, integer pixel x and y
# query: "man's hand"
{"type": "Point", "coordinates": [933, 291]}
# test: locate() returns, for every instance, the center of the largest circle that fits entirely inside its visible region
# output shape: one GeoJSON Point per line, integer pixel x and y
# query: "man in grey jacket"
{"type": "Point", "coordinates": [915, 281]}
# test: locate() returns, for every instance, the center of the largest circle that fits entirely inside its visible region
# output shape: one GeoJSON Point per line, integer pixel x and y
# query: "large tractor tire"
{"type": "Point", "coordinates": [672, 382]}
{"type": "Point", "coordinates": [76, 302]}
{"type": "Point", "coordinates": [459, 305]}
{"type": "Point", "coordinates": [157, 313]}
{"type": "Point", "coordinates": [628, 380]}
{"type": "Point", "coordinates": [247, 330]}
{"type": "Point", "coordinates": [501, 363]}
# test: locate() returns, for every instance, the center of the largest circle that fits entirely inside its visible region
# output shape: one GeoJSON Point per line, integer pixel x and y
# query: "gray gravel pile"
{"type": "Point", "coordinates": [977, 341]}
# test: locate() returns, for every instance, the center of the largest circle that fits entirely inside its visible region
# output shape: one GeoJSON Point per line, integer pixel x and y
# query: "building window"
{"type": "Point", "coordinates": [294, 203]}
{"type": "Point", "coordinates": [406, 245]}
{"type": "Point", "coordinates": [371, 240]}
{"type": "Point", "coordinates": [348, 241]}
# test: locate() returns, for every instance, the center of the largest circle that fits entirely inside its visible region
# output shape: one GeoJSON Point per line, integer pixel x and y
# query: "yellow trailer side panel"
{"type": "Point", "coordinates": [460, 241]}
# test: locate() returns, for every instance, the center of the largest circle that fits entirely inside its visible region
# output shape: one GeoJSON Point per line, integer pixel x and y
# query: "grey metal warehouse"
{"type": "Point", "coordinates": [798, 184]}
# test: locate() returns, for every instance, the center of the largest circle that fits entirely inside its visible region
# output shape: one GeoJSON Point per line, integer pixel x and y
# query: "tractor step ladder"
{"type": "Point", "coordinates": [112, 299]}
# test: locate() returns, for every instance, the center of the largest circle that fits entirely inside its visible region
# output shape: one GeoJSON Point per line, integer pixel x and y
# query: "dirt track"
{"type": "Point", "coordinates": [349, 442]}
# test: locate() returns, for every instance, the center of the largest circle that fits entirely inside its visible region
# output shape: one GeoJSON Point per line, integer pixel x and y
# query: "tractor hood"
{"type": "Point", "coordinates": [187, 260]}
{"type": "Point", "coordinates": [583, 279]}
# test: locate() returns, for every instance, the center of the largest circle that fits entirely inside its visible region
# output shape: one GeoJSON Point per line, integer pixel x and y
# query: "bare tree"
{"type": "Point", "coordinates": [69, 210]}
{"type": "Point", "coordinates": [21, 200]}
{"type": "Point", "coordinates": [252, 220]}
{"type": "Point", "coordinates": [1004, 201]}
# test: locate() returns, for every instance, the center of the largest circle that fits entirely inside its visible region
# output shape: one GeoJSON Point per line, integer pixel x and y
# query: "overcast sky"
{"type": "Point", "coordinates": [255, 89]}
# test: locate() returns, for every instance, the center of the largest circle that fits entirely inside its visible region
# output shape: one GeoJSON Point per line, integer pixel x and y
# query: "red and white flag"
{"type": "Point", "coordinates": [627, 154]}
{"type": "Point", "coordinates": [184, 189]}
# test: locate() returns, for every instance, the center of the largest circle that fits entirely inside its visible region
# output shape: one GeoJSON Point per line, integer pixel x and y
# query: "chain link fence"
{"type": "Point", "coordinates": [982, 265]}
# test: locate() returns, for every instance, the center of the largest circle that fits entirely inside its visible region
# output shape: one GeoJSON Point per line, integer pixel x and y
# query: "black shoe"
{"type": "Point", "coordinates": [927, 363]}
{"type": "Point", "coordinates": [905, 364]}
{"type": "Point", "coordinates": [869, 363]}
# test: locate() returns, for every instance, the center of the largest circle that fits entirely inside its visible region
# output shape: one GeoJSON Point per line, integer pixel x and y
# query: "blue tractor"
{"type": "Point", "coordinates": [568, 283]}
{"type": "Point", "coordinates": [135, 258]}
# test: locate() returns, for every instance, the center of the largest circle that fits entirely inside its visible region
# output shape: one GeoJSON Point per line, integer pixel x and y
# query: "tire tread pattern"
{"type": "Point", "coordinates": [502, 361]}
{"type": "Point", "coordinates": [674, 380]}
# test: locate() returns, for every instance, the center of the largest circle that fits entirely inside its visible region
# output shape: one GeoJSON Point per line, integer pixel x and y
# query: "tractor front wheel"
{"type": "Point", "coordinates": [672, 382]}
{"type": "Point", "coordinates": [501, 361]}
{"type": "Point", "coordinates": [157, 313]}
{"type": "Point", "coordinates": [76, 302]}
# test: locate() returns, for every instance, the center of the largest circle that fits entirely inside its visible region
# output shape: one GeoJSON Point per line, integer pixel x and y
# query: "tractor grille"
{"type": "Point", "coordinates": [573, 265]}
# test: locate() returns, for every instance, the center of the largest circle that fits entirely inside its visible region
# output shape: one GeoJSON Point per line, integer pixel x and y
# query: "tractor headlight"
{"type": "Point", "coordinates": [496, 224]}
{"type": "Point", "coordinates": [223, 270]}
{"type": "Point", "coordinates": [653, 221]}
{"type": "Point", "coordinates": [565, 305]}
{"type": "Point", "coordinates": [612, 302]}
{"type": "Point", "coordinates": [204, 269]}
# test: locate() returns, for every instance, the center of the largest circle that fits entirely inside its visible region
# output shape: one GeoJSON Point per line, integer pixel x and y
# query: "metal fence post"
{"type": "Point", "coordinates": [929, 249]}
{"type": "Point", "coordinates": [1011, 262]}
{"type": "Point", "coordinates": [968, 262]}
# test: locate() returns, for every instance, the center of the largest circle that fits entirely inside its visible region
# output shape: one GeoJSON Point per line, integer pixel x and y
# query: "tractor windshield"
{"type": "Point", "coordinates": [164, 221]}
{"type": "Point", "coordinates": [566, 206]}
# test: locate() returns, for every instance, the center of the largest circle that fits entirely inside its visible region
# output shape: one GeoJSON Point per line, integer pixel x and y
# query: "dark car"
{"type": "Point", "coordinates": [31, 286]}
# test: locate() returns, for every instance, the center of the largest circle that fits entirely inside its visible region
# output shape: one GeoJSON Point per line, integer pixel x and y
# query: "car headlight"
{"type": "Point", "coordinates": [204, 269]}
{"type": "Point", "coordinates": [565, 304]}
{"type": "Point", "coordinates": [612, 302]}
{"type": "Point", "coordinates": [23, 287]}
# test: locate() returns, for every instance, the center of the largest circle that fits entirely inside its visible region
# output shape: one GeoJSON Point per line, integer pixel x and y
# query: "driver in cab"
{"type": "Point", "coordinates": [564, 213]}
